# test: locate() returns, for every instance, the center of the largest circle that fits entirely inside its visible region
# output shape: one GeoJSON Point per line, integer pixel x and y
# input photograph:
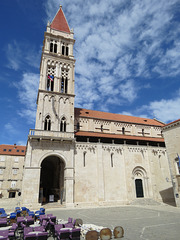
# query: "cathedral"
{"type": "Point", "coordinates": [80, 157]}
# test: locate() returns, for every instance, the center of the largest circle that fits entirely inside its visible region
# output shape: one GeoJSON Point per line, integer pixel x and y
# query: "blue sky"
{"type": "Point", "coordinates": [127, 58]}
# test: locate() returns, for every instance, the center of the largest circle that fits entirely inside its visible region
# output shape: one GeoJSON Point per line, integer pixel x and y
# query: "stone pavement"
{"type": "Point", "coordinates": [151, 222]}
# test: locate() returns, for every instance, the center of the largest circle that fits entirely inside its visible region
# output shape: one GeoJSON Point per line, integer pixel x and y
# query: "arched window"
{"type": "Point", "coordinates": [47, 123]}
{"type": "Point", "coordinates": [63, 125]}
{"type": "Point", "coordinates": [63, 48]}
{"type": "Point", "coordinates": [50, 83]}
{"type": "Point", "coordinates": [53, 46]}
{"type": "Point", "coordinates": [112, 163]}
{"type": "Point", "coordinates": [84, 159]}
{"type": "Point", "coordinates": [64, 85]}
{"type": "Point", "coordinates": [67, 51]}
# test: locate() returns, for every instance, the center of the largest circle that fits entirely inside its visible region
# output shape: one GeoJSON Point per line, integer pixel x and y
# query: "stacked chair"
{"type": "Point", "coordinates": [67, 230]}
{"type": "Point", "coordinates": [22, 225]}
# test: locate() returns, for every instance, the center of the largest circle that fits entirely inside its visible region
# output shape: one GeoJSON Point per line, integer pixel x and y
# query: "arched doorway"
{"type": "Point", "coordinates": [52, 180]}
{"type": "Point", "coordinates": [140, 179]}
{"type": "Point", "coordinates": [139, 188]}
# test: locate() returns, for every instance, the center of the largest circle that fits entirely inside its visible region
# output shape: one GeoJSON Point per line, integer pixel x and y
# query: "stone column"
{"type": "Point", "coordinates": [69, 186]}
{"type": "Point", "coordinates": [30, 187]}
{"type": "Point", "coordinates": [100, 168]}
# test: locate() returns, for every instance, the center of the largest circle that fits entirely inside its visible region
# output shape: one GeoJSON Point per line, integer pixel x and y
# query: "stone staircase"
{"type": "Point", "coordinates": [145, 202]}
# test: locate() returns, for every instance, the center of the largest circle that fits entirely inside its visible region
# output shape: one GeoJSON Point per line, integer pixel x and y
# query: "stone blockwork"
{"type": "Point", "coordinates": [106, 173]}
{"type": "Point", "coordinates": [171, 134]}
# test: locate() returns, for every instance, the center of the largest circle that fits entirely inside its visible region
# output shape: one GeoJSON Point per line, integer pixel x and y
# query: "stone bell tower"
{"type": "Point", "coordinates": [49, 161]}
{"type": "Point", "coordinates": [55, 103]}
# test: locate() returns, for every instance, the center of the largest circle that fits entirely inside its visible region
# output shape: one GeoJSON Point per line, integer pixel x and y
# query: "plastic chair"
{"type": "Point", "coordinates": [105, 234]}
{"type": "Point", "coordinates": [75, 234]}
{"type": "Point", "coordinates": [92, 235]}
{"type": "Point", "coordinates": [118, 232]}
{"type": "Point", "coordinates": [63, 234]}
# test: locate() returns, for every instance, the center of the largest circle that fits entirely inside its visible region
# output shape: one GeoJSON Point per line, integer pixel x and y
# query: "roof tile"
{"type": "Point", "coordinates": [80, 112]}
{"type": "Point", "coordinates": [59, 22]}
{"type": "Point", "coordinates": [12, 150]}
{"type": "Point", "coordinates": [118, 136]}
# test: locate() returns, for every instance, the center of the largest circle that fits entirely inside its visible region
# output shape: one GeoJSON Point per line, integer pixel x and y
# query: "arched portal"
{"type": "Point", "coordinates": [52, 180]}
{"type": "Point", "coordinates": [141, 185]}
{"type": "Point", "coordinates": [139, 188]}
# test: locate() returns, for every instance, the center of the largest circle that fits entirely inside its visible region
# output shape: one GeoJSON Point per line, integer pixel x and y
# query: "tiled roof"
{"type": "Point", "coordinates": [118, 136]}
{"type": "Point", "coordinates": [59, 22]}
{"type": "Point", "coordinates": [12, 150]}
{"type": "Point", "coordinates": [79, 112]}
{"type": "Point", "coordinates": [168, 124]}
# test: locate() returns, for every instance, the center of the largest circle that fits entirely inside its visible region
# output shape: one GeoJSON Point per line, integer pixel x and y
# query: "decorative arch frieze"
{"type": "Point", "coordinates": [158, 152]}
{"type": "Point", "coordinates": [113, 149]}
{"type": "Point", "coordinates": [137, 149]}
{"type": "Point", "coordinates": [86, 147]}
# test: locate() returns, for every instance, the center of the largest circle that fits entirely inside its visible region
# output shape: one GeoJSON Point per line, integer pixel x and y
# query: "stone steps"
{"type": "Point", "coordinates": [145, 201]}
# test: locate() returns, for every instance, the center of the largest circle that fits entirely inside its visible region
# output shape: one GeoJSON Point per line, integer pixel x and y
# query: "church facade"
{"type": "Point", "coordinates": [81, 157]}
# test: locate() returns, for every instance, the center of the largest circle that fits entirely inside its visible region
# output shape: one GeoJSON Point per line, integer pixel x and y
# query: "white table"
{"type": "Point", "coordinates": [5, 228]}
{"type": "Point", "coordinates": [62, 222]}
{"type": "Point", "coordinates": [35, 225]}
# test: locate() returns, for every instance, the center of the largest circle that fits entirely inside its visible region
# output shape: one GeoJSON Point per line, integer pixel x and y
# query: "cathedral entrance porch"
{"type": "Point", "coordinates": [52, 180]}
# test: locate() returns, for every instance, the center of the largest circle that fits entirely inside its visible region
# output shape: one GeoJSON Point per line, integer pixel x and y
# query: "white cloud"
{"type": "Point", "coordinates": [119, 46]}
{"type": "Point", "coordinates": [11, 130]}
{"type": "Point", "coordinates": [27, 92]}
{"type": "Point", "coordinates": [22, 54]}
{"type": "Point", "coordinates": [22, 143]}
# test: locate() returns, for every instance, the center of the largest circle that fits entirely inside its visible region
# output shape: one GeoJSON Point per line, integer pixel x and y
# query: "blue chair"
{"type": "Point", "coordinates": [42, 210]}
{"type": "Point", "coordinates": [31, 213]}
{"type": "Point", "coordinates": [2, 210]}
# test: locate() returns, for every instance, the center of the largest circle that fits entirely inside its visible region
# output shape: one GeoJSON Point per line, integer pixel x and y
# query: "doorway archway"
{"type": "Point", "coordinates": [52, 180]}
{"type": "Point", "coordinates": [141, 187]}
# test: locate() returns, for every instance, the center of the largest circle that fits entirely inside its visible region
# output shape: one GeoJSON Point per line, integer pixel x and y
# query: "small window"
{"type": "Point", "coordinates": [15, 171]}
{"type": "Point", "coordinates": [112, 163]}
{"type": "Point", "coordinates": [143, 132]}
{"type": "Point", "coordinates": [123, 130]}
{"type": "Point", "coordinates": [47, 123]}
{"type": "Point", "coordinates": [17, 150]}
{"type": "Point", "coordinates": [63, 125]}
{"type": "Point", "coordinates": [13, 184]}
{"type": "Point", "coordinates": [101, 128]}
{"type": "Point", "coordinates": [2, 158]}
{"type": "Point", "coordinates": [10, 150]}
{"type": "Point", "coordinates": [51, 47]}
{"type": "Point", "coordinates": [22, 150]}
{"type": "Point", "coordinates": [63, 50]}
{"type": "Point", "coordinates": [67, 51]}
{"type": "Point", "coordinates": [4, 150]}
{"type": "Point", "coordinates": [12, 194]}
{"type": "Point", "coordinates": [84, 159]}
{"type": "Point", "coordinates": [55, 48]}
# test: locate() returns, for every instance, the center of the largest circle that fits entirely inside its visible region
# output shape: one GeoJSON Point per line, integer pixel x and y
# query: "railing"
{"type": "Point", "coordinates": [51, 134]}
